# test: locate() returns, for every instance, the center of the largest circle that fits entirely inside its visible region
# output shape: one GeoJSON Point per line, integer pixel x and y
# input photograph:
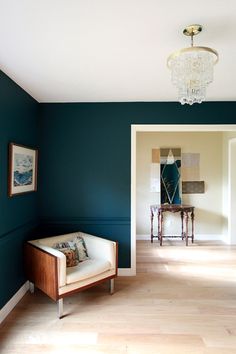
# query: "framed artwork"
{"type": "Point", "coordinates": [22, 169]}
{"type": "Point", "coordinates": [170, 175]}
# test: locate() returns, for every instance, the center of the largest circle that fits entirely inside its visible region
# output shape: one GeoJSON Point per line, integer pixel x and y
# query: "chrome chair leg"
{"type": "Point", "coordinates": [112, 286]}
{"type": "Point", "coordinates": [31, 287]}
{"type": "Point", "coordinates": [60, 307]}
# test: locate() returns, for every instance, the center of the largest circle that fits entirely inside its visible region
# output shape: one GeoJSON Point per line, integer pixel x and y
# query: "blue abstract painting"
{"type": "Point", "coordinates": [23, 169]}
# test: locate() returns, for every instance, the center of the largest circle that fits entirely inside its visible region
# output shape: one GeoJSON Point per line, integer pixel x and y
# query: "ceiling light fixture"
{"type": "Point", "coordinates": [192, 69]}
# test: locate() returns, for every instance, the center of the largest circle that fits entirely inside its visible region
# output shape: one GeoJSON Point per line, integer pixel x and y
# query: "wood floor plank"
{"type": "Point", "coordinates": [183, 300]}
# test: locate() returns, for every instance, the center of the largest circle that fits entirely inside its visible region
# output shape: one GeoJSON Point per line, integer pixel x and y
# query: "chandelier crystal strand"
{"type": "Point", "coordinates": [192, 69]}
{"type": "Point", "coordinates": [191, 72]}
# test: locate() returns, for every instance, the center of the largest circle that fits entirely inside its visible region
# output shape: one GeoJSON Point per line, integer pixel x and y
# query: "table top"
{"type": "Point", "coordinates": [171, 207]}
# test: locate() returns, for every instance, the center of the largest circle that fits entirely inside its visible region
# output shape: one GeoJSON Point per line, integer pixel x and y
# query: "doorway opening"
{"type": "Point", "coordinates": [232, 192]}
{"type": "Point", "coordinates": [228, 204]}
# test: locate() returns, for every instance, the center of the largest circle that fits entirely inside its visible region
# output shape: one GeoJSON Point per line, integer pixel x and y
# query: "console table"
{"type": "Point", "coordinates": [186, 212]}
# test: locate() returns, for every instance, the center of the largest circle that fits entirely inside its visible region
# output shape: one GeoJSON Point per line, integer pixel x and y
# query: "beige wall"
{"type": "Point", "coordinates": [227, 136]}
{"type": "Point", "coordinates": [208, 212]}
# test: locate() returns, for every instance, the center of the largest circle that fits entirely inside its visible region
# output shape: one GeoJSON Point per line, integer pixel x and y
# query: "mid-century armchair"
{"type": "Point", "coordinates": [47, 267]}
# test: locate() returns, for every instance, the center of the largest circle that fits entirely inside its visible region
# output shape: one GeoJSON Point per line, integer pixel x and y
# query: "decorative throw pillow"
{"type": "Point", "coordinates": [65, 244]}
{"type": "Point", "coordinates": [70, 251]}
{"type": "Point", "coordinates": [81, 248]}
{"type": "Point", "coordinates": [70, 254]}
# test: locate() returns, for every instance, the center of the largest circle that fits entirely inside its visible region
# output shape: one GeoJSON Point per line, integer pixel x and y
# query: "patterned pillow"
{"type": "Point", "coordinates": [65, 244]}
{"type": "Point", "coordinates": [71, 255]}
{"type": "Point", "coordinates": [70, 251]}
{"type": "Point", "coordinates": [81, 248]}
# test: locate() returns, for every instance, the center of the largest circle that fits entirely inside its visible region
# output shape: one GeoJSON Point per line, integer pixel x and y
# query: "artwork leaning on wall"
{"type": "Point", "coordinates": [170, 170]}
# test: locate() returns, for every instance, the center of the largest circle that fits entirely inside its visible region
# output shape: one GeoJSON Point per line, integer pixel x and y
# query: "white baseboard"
{"type": "Point", "coordinates": [143, 237]}
{"type": "Point", "coordinates": [4, 312]}
{"type": "Point", "coordinates": [197, 237]}
{"type": "Point", "coordinates": [209, 237]}
{"type": "Point", "coordinates": [126, 272]}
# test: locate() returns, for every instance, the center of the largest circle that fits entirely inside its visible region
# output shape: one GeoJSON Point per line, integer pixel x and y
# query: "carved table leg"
{"type": "Point", "coordinates": [182, 224]}
{"type": "Point", "coordinates": [192, 218]}
{"type": "Point", "coordinates": [186, 226]}
{"type": "Point", "coordinates": [161, 226]}
{"type": "Point", "coordinates": [158, 224]}
{"type": "Point", "coordinates": [151, 227]}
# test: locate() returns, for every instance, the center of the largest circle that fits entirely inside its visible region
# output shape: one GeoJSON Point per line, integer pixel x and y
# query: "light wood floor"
{"type": "Point", "coordinates": [182, 301]}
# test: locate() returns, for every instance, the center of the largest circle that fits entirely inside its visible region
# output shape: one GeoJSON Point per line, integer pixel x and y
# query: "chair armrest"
{"type": "Point", "coordinates": [101, 248]}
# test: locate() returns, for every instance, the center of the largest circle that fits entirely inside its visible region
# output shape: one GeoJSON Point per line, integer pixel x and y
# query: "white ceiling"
{"type": "Point", "coordinates": [111, 50]}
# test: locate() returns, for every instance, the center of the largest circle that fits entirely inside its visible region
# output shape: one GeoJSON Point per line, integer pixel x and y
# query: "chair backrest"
{"type": "Point", "coordinates": [50, 241]}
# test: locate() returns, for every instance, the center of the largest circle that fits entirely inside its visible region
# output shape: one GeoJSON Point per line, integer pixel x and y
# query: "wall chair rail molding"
{"type": "Point", "coordinates": [29, 225]}
{"type": "Point", "coordinates": [86, 221]}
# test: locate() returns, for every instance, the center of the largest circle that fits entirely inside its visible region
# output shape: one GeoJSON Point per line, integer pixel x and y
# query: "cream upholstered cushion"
{"type": "Point", "coordinates": [86, 269]}
{"type": "Point", "coordinates": [83, 283]}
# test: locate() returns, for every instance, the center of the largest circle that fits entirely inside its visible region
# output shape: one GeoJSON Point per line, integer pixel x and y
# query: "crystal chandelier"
{"type": "Point", "coordinates": [192, 69]}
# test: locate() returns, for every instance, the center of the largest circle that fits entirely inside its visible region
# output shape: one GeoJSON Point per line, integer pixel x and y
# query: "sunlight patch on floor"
{"type": "Point", "coordinates": [212, 273]}
{"type": "Point", "coordinates": [190, 254]}
{"type": "Point", "coordinates": [192, 261]}
{"type": "Point", "coordinates": [64, 338]}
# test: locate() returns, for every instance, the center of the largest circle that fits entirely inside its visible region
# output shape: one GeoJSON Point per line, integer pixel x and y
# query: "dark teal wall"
{"type": "Point", "coordinates": [85, 162]}
{"type": "Point", "coordinates": [19, 214]}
